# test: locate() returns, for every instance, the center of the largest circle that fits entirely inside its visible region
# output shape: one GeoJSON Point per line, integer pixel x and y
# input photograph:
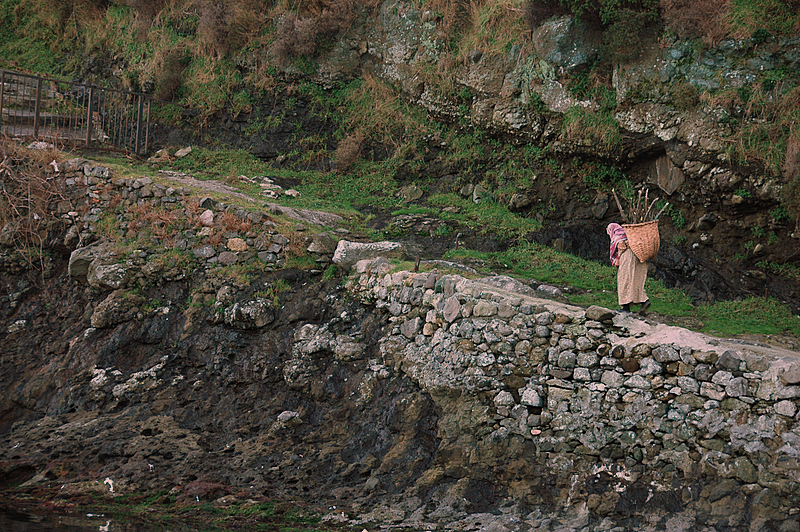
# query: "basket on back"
{"type": "Point", "coordinates": [643, 239]}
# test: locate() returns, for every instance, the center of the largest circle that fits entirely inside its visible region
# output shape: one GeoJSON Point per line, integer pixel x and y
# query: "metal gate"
{"type": "Point", "coordinates": [64, 113]}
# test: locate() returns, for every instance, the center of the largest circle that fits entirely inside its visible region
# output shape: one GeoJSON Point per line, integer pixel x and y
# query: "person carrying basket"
{"type": "Point", "coordinates": [631, 272]}
{"type": "Point", "coordinates": [632, 245]}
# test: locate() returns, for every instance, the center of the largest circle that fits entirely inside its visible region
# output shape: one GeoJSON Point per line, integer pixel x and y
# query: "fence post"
{"type": "Point", "coordinates": [37, 107]}
{"type": "Point", "coordinates": [139, 112]}
{"type": "Point", "coordinates": [89, 118]}
{"type": "Point", "coordinates": [147, 128]}
{"type": "Point", "coordinates": [2, 95]}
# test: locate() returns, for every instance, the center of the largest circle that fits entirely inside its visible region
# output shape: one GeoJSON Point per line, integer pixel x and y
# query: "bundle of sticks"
{"type": "Point", "coordinates": [639, 210]}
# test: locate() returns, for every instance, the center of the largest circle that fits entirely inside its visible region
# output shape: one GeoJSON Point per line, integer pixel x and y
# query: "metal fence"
{"type": "Point", "coordinates": [70, 114]}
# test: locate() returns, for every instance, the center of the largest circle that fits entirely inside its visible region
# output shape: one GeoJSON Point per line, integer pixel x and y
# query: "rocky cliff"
{"type": "Point", "coordinates": [437, 399]}
{"type": "Point", "coordinates": [665, 136]}
{"type": "Point", "coordinates": [668, 120]}
{"type": "Point", "coordinates": [197, 367]}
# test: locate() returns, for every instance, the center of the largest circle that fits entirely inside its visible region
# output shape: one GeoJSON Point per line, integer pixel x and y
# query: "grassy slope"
{"type": "Point", "coordinates": [591, 283]}
{"type": "Point", "coordinates": [184, 40]}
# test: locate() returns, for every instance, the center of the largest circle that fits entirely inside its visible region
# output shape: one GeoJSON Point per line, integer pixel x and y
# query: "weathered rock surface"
{"type": "Point", "coordinates": [411, 400]}
{"type": "Point", "coordinates": [422, 400]}
{"type": "Point", "coordinates": [349, 253]}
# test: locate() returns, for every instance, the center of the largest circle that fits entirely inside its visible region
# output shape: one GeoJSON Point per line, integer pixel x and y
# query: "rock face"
{"type": "Point", "coordinates": [418, 400]}
{"type": "Point", "coordinates": [421, 401]}
{"type": "Point", "coordinates": [671, 140]}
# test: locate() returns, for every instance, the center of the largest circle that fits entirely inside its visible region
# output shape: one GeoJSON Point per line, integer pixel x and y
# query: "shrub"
{"type": "Point", "coordinates": [28, 198]}
{"type": "Point", "coordinates": [624, 37]}
{"type": "Point", "coordinates": [598, 13]}
{"type": "Point", "coordinates": [757, 18]}
{"type": "Point", "coordinates": [791, 161]}
{"type": "Point", "coordinates": [678, 220]}
{"type": "Point", "coordinates": [536, 104]}
{"type": "Point", "coordinates": [685, 96]}
{"type": "Point", "coordinates": [605, 178]}
{"type": "Point", "coordinates": [791, 199]}
{"type": "Point", "coordinates": [305, 34]}
{"type": "Point", "coordinates": [146, 10]}
{"type": "Point", "coordinates": [780, 214]}
{"type": "Point", "coordinates": [213, 26]}
{"type": "Point", "coordinates": [348, 151]}
{"type": "Point", "coordinates": [168, 77]}
{"type": "Point", "coordinates": [706, 19]}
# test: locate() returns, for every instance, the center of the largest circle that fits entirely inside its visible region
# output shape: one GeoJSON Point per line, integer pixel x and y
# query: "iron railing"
{"type": "Point", "coordinates": [74, 114]}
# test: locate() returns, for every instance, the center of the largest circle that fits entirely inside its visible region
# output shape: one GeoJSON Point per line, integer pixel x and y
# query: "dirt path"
{"type": "Point", "coordinates": [659, 327]}
{"type": "Point", "coordinates": [321, 218]}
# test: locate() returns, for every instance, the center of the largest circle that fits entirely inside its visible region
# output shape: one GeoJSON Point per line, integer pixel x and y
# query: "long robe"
{"type": "Point", "coordinates": [631, 275]}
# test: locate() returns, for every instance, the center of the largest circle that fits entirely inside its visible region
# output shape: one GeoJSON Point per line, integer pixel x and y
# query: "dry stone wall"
{"type": "Point", "coordinates": [627, 417]}
{"type": "Point", "coordinates": [143, 209]}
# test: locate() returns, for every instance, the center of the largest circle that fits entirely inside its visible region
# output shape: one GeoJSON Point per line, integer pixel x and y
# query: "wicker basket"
{"type": "Point", "coordinates": [643, 239]}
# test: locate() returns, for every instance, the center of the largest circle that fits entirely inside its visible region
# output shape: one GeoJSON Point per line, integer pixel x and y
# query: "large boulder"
{"type": "Point", "coordinates": [120, 306]}
{"type": "Point", "coordinates": [97, 265]}
{"type": "Point", "coordinates": [348, 253]}
{"type": "Point", "coordinates": [566, 43]}
{"type": "Point", "coordinates": [252, 314]}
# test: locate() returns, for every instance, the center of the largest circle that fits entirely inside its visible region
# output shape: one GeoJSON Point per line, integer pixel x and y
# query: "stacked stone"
{"type": "Point", "coordinates": [582, 387]}
{"type": "Point", "coordinates": [93, 191]}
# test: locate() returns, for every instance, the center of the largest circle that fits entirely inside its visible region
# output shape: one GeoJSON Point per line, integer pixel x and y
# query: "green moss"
{"type": "Point", "coordinates": [590, 127]}
{"type": "Point", "coordinates": [756, 17]}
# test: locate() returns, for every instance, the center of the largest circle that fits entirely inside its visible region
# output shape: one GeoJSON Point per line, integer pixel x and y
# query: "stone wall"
{"type": "Point", "coordinates": [467, 401]}
{"type": "Point", "coordinates": [164, 217]}
{"type": "Point", "coordinates": [626, 416]}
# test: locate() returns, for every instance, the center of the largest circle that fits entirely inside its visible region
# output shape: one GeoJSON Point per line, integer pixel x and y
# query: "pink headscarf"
{"type": "Point", "coordinates": [617, 235]}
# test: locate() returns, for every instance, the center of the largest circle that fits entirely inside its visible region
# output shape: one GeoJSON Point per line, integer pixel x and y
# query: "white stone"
{"type": "Point", "coordinates": [207, 218]}
{"type": "Point", "coordinates": [504, 398]}
{"type": "Point", "coordinates": [785, 408]}
{"type": "Point", "coordinates": [531, 397]}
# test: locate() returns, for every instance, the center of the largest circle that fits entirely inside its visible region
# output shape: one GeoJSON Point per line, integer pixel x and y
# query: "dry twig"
{"type": "Point", "coordinates": [640, 209]}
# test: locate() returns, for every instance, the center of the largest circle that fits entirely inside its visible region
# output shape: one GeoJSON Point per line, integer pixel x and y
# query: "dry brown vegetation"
{"type": "Point", "coordinates": [232, 222]}
{"type": "Point", "coordinates": [225, 26]}
{"type": "Point", "coordinates": [146, 10]}
{"type": "Point", "coordinates": [791, 164]}
{"type": "Point", "coordinates": [29, 193]}
{"type": "Point", "coordinates": [297, 245]}
{"type": "Point", "coordinates": [348, 151]}
{"type": "Point", "coordinates": [171, 63]}
{"type": "Point", "coordinates": [706, 19]}
{"type": "Point", "coordinates": [304, 32]}
{"type": "Point", "coordinates": [213, 27]}
{"type": "Point", "coordinates": [770, 124]}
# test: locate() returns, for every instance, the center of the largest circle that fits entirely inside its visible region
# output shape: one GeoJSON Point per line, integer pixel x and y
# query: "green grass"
{"type": "Point", "coordinates": [588, 127]}
{"type": "Point", "coordinates": [347, 191]}
{"type": "Point", "coordinates": [597, 286]}
{"type": "Point", "coordinates": [594, 283]}
{"type": "Point", "coordinates": [786, 269]}
{"type": "Point", "coordinates": [167, 510]}
{"type": "Point", "coordinates": [204, 163]}
{"type": "Point", "coordinates": [485, 217]}
{"type": "Point", "coordinates": [748, 16]}
{"type": "Point", "coordinates": [754, 315]}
